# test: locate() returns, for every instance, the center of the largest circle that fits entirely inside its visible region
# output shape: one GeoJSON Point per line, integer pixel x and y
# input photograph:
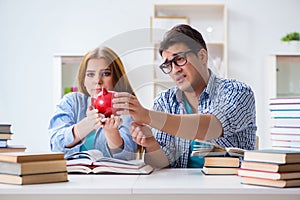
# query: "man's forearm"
{"type": "Point", "coordinates": [156, 158]}
{"type": "Point", "coordinates": [193, 126]}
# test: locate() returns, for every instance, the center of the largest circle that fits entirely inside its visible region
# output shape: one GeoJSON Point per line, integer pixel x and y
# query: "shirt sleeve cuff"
{"type": "Point", "coordinates": [114, 151]}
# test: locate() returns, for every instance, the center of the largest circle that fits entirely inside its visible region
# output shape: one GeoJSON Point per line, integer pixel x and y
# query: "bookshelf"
{"type": "Point", "coordinates": [283, 85]}
{"type": "Point", "coordinates": [209, 19]}
{"type": "Point", "coordinates": [284, 73]}
{"type": "Point", "coordinates": [65, 69]}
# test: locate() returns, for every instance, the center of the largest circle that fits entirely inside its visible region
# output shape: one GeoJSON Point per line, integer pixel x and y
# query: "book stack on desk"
{"type": "Point", "coordinates": [5, 136]}
{"type": "Point", "coordinates": [219, 160]}
{"type": "Point", "coordinates": [218, 165]}
{"type": "Point", "coordinates": [31, 168]}
{"type": "Point", "coordinates": [285, 131]}
{"type": "Point", "coordinates": [271, 167]}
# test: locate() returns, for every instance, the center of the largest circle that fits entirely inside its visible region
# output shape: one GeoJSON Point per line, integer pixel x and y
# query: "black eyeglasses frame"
{"type": "Point", "coordinates": [163, 66]}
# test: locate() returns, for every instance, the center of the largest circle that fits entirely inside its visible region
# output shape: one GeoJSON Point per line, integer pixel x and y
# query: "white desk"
{"type": "Point", "coordinates": [164, 184]}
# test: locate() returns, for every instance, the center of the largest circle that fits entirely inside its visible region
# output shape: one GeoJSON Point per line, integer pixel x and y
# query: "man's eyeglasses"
{"type": "Point", "coordinates": [179, 60]}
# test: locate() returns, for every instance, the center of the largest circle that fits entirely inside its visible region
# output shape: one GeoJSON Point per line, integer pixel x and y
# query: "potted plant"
{"type": "Point", "coordinates": [293, 40]}
{"type": "Point", "coordinates": [294, 36]}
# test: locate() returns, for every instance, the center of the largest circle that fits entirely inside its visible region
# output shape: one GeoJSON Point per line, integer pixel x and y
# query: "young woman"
{"type": "Point", "coordinates": [77, 126]}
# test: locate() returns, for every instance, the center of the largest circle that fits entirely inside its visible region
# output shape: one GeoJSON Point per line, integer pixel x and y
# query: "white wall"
{"type": "Point", "coordinates": [32, 31]}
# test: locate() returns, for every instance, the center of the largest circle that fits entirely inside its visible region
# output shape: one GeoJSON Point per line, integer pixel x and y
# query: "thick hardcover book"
{"type": "Point", "coordinates": [286, 143]}
{"type": "Point", "coordinates": [273, 156]}
{"type": "Point", "coordinates": [270, 167]}
{"type": "Point", "coordinates": [285, 113]}
{"type": "Point", "coordinates": [13, 148]}
{"type": "Point", "coordinates": [19, 157]}
{"type": "Point", "coordinates": [271, 183]}
{"type": "Point", "coordinates": [93, 161]}
{"type": "Point", "coordinates": [290, 106]}
{"type": "Point", "coordinates": [3, 143]}
{"type": "Point", "coordinates": [286, 130]}
{"type": "Point", "coordinates": [285, 137]}
{"type": "Point", "coordinates": [5, 128]}
{"type": "Point", "coordinates": [220, 170]}
{"type": "Point", "coordinates": [269, 175]}
{"type": "Point", "coordinates": [285, 100]}
{"type": "Point", "coordinates": [36, 167]}
{"type": "Point", "coordinates": [34, 178]}
{"type": "Point", "coordinates": [5, 136]}
{"type": "Point", "coordinates": [217, 161]}
{"type": "Point", "coordinates": [286, 122]}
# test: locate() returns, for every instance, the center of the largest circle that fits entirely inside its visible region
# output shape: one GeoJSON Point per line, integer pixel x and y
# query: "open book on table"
{"type": "Point", "coordinates": [93, 161]}
{"type": "Point", "coordinates": [211, 149]}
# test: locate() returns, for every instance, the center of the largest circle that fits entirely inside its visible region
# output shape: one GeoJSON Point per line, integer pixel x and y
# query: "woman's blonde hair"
{"type": "Point", "coordinates": [120, 79]}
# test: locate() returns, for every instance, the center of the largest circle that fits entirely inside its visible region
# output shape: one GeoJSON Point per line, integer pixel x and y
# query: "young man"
{"type": "Point", "coordinates": [201, 106]}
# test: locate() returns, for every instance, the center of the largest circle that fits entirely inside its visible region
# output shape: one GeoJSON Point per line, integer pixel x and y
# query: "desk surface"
{"type": "Point", "coordinates": [161, 184]}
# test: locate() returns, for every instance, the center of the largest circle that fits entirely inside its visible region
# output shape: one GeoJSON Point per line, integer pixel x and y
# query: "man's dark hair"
{"type": "Point", "coordinates": [183, 33]}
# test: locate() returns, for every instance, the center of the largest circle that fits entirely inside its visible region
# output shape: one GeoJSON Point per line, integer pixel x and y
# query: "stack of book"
{"type": "Point", "coordinates": [5, 135]}
{"type": "Point", "coordinates": [217, 165]}
{"type": "Point", "coordinates": [219, 160]}
{"type": "Point", "coordinates": [32, 168]}
{"type": "Point", "coordinates": [271, 167]}
{"type": "Point", "coordinates": [285, 131]}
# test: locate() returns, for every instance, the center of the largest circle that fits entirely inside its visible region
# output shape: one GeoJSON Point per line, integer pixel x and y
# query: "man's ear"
{"type": "Point", "coordinates": [202, 54]}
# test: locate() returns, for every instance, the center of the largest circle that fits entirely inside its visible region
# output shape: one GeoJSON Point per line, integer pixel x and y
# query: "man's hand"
{"type": "Point", "coordinates": [142, 135]}
{"type": "Point", "coordinates": [127, 104]}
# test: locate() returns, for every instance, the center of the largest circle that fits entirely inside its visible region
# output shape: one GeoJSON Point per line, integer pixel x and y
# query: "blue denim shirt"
{"type": "Point", "coordinates": [230, 101]}
{"type": "Point", "coordinates": [71, 110]}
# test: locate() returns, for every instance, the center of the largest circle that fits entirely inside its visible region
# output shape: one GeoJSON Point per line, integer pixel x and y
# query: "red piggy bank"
{"type": "Point", "coordinates": [103, 102]}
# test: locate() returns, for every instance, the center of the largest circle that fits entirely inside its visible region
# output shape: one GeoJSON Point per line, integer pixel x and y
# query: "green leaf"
{"type": "Point", "coordinates": [293, 36]}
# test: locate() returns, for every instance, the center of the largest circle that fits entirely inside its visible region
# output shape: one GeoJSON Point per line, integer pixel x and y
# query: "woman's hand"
{"type": "Point", "coordinates": [111, 123]}
{"type": "Point", "coordinates": [91, 122]}
{"type": "Point", "coordinates": [93, 118]}
{"type": "Point", "coordinates": [111, 131]}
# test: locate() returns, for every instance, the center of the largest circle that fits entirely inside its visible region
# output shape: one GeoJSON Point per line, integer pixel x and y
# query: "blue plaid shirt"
{"type": "Point", "coordinates": [230, 101]}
